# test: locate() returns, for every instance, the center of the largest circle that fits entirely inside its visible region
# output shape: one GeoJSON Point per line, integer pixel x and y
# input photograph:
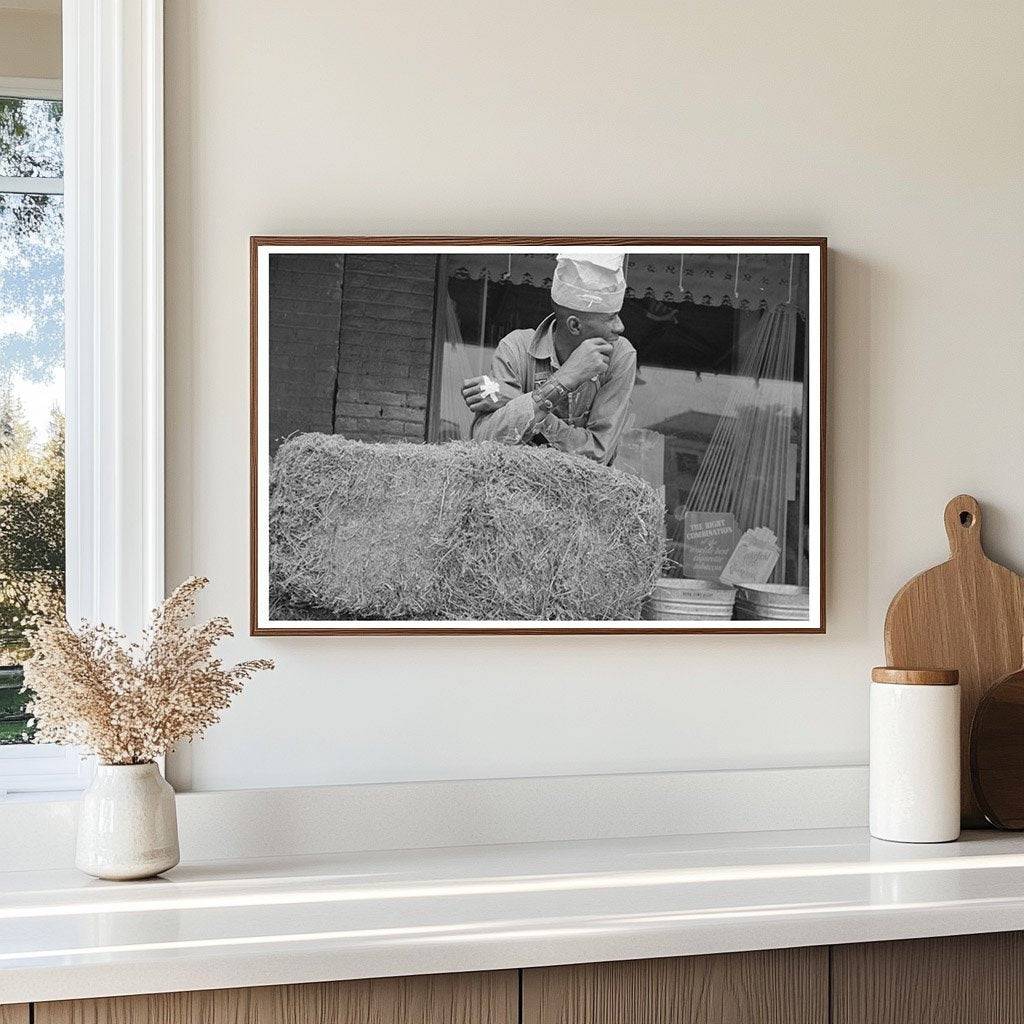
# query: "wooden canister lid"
{"type": "Point", "coordinates": [916, 676]}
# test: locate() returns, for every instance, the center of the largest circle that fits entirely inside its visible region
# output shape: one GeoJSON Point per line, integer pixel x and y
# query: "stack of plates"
{"type": "Point", "coordinates": [675, 599]}
{"type": "Point", "coordinates": [772, 601]}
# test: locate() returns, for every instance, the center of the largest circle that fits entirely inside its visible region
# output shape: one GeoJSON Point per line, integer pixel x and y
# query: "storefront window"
{"type": "Point", "coordinates": [718, 414]}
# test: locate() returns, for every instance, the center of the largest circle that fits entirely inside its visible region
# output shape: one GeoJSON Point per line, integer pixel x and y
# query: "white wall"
{"type": "Point", "coordinates": [895, 129]}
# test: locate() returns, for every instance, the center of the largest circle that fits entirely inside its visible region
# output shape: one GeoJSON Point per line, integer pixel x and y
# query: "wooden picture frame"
{"type": "Point", "coordinates": [812, 550]}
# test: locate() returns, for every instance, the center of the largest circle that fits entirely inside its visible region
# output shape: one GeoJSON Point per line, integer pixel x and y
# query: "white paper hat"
{"type": "Point", "coordinates": [591, 282]}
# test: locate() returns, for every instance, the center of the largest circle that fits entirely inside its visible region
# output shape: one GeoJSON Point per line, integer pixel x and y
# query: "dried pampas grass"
{"type": "Point", "coordinates": [129, 703]}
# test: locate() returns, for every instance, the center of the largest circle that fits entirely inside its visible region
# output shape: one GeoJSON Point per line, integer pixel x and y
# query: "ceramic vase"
{"type": "Point", "coordinates": [127, 825]}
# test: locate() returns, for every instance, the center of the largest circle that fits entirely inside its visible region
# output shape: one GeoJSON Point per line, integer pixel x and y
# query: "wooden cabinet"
{"type": "Point", "coordinates": [776, 986]}
{"type": "Point", "coordinates": [970, 979]}
{"type": "Point", "coordinates": [962, 979]}
{"type": "Point", "coordinates": [490, 998]}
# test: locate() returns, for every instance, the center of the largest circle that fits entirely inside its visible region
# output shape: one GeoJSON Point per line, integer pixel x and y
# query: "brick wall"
{"type": "Point", "coordinates": [387, 324]}
{"type": "Point", "coordinates": [373, 386]}
{"type": "Point", "coordinates": [305, 311]}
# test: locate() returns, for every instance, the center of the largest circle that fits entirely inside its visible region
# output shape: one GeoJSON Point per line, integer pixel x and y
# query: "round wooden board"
{"type": "Point", "coordinates": [997, 752]}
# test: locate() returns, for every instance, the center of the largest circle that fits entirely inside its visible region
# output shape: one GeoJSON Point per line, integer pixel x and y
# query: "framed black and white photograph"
{"type": "Point", "coordinates": [557, 435]}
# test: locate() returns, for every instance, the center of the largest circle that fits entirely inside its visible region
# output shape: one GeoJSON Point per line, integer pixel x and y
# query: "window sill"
{"type": "Point", "coordinates": [44, 771]}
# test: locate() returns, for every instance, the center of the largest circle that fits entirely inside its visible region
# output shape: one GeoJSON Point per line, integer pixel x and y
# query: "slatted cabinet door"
{"type": "Point", "coordinates": [961, 979]}
{"type": "Point", "coordinates": [14, 1013]}
{"type": "Point", "coordinates": [482, 998]}
{"type": "Point", "coordinates": [776, 986]}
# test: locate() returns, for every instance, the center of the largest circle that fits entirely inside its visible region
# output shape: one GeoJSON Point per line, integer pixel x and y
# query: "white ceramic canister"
{"type": "Point", "coordinates": [915, 755]}
{"type": "Point", "coordinates": [127, 825]}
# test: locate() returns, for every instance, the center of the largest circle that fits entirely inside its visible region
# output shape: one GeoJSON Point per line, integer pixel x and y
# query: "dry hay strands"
{"type": "Point", "coordinates": [457, 531]}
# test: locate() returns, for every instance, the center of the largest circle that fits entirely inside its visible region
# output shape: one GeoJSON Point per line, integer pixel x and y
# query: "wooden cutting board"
{"type": "Point", "coordinates": [967, 614]}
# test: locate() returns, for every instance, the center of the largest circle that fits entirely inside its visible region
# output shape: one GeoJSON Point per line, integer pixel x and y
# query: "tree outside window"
{"type": "Point", "coordinates": [31, 387]}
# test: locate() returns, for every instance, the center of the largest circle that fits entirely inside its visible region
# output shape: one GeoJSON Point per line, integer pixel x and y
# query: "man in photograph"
{"type": "Point", "coordinates": [567, 383]}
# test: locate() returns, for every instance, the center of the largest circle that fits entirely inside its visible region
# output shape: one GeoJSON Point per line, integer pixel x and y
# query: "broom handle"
{"type": "Point", "coordinates": [483, 324]}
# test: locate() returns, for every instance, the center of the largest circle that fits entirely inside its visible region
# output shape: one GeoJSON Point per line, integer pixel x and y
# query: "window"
{"type": "Point", "coordinates": [32, 550]}
{"type": "Point", "coordinates": [99, 160]}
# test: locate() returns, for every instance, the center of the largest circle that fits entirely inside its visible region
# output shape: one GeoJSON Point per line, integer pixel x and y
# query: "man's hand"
{"type": "Point", "coordinates": [479, 394]}
{"type": "Point", "coordinates": [589, 360]}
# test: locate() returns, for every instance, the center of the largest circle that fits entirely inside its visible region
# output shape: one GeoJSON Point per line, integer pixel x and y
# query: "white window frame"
{"type": "Point", "coordinates": [32, 88]}
{"type": "Point", "coordinates": [114, 325]}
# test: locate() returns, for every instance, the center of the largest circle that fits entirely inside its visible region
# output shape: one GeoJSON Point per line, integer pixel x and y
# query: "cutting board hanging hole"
{"type": "Point", "coordinates": [963, 526]}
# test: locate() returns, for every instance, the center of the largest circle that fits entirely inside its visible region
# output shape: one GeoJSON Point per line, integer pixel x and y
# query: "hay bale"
{"type": "Point", "coordinates": [456, 531]}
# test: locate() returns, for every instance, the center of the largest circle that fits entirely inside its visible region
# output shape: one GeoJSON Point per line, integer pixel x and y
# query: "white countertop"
{"type": "Point", "coordinates": [261, 922]}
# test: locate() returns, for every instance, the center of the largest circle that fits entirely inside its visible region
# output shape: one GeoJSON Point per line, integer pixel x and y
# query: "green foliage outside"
{"type": "Point", "coordinates": [31, 354]}
{"type": "Point", "coordinates": [13, 727]}
{"type": "Point", "coordinates": [31, 549]}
